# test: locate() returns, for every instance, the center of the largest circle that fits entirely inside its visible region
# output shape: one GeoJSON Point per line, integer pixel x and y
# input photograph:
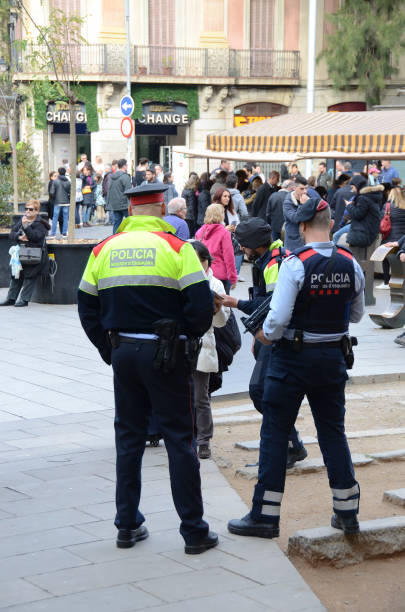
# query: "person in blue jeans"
{"type": "Point", "coordinates": [88, 189]}
{"type": "Point", "coordinates": [60, 192]}
{"type": "Point", "coordinates": [117, 201]}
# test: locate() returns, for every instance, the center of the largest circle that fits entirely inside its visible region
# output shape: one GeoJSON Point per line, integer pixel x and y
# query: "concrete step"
{"type": "Point", "coordinates": [395, 496]}
{"type": "Point", "coordinates": [252, 445]}
{"type": "Point", "coordinates": [237, 420]}
{"type": "Point", "coordinates": [305, 467]}
{"type": "Point", "coordinates": [379, 537]}
{"type": "Point", "coordinates": [232, 410]}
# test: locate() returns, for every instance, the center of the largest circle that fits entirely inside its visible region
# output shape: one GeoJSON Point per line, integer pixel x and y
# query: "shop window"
{"type": "Point", "coordinates": [348, 107]}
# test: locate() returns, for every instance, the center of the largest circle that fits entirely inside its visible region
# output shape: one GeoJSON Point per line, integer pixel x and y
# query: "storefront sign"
{"type": "Point", "coordinates": [58, 112]}
{"type": "Point", "coordinates": [164, 114]}
{"type": "Point", "coordinates": [239, 120]}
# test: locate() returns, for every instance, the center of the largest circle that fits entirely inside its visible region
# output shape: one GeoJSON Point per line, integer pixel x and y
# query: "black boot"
{"type": "Point", "coordinates": [209, 541]}
{"type": "Point", "coordinates": [246, 526]}
{"type": "Point", "coordinates": [7, 303]}
{"type": "Point", "coordinates": [127, 538]}
{"type": "Point", "coordinates": [20, 303]}
{"type": "Point", "coordinates": [295, 455]}
{"type": "Point", "coordinates": [348, 524]}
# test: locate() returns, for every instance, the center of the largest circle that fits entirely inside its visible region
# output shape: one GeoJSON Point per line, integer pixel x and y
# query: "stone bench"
{"type": "Point", "coordinates": [380, 537]}
{"type": "Point", "coordinates": [394, 316]}
{"type": "Point", "coordinates": [363, 256]}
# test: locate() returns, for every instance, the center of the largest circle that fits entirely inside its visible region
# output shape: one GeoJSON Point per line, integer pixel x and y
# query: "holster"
{"type": "Point", "coordinates": [114, 338]}
{"type": "Point", "coordinates": [347, 343]}
{"type": "Point", "coordinates": [165, 357]}
{"type": "Point", "coordinates": [192, 347]}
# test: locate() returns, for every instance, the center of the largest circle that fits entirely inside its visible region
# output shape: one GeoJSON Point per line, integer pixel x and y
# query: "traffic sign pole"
{"type": "Point", "coordinates": [128, 41]}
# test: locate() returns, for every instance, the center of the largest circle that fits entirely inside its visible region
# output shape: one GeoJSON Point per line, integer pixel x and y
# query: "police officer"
{"type": "Point", "coordinates": [319, 290]}
{"type": "Point", "coordinates": [254, 237]}
{"type": "Point", "coordinates": [132, 281]}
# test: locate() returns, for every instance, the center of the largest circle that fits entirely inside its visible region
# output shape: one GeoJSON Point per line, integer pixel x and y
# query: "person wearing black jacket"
{"type": "Point", "coordinates": [259, 205]}
{"type": "Point", "coordinates": [365, 212]}
{"type": "Point", "coordinates": [190, 195]}
{"type": "Point", "coordinates": [204, 198]}
{"type": "Point", "coordinates": [29, 231]}
{"type": "Point", "coordinates": [274, 209]}
{"type": "Point", "coordinates": [337, 203]}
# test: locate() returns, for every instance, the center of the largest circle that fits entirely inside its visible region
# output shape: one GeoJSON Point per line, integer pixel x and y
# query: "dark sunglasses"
{"type": "Point", "coordinates": [31, 209]}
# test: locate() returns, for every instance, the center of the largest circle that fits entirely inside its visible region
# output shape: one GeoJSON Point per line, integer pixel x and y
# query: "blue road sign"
{"type": "Point", "coordinates": [127, 106]}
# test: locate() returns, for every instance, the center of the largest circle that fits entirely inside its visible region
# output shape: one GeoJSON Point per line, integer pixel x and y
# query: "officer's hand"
{"type": "Point", "coordinates": [391, 244]}
{"type": "Point", "coordinates": [262, 338]}
{"type": "Point", "coordinates": [228, 300]}
{"type": "Point", "coordinates": [402, 257]}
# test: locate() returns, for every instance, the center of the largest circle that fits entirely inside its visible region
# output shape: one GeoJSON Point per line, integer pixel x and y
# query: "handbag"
{"type": "Point", "coordinates": [86, 190]}
{"type": "Point", "coordinates": [386, 223]}
{"type": "Point", "coordinates": [30, 256]}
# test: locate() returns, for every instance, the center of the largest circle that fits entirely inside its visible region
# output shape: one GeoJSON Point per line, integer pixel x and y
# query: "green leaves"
{"type": "Point", "coordinates": [366, 45]}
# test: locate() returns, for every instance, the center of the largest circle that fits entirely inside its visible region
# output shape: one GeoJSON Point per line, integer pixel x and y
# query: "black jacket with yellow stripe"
{"type": "Point", "coordinates": [140, 275]}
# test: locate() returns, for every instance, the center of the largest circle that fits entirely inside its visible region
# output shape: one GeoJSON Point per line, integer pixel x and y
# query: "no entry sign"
{"type": "Point", "coordinates": [127, 127]}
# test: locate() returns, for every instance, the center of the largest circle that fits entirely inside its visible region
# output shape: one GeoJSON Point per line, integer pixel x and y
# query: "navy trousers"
{"type": "Point", "coordinates": [257, 388]}
{"type": "Point", "coordinates": [320, 374]}
{"type": "Point", "coordinates": [137, 388]}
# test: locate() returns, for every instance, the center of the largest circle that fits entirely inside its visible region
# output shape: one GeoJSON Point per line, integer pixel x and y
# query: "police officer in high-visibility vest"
{"type": "Point", "coordinates": [143, 302]}
{"type": "Point", "coordinates": [319, 290]}
{"type": "Point", "coordinates": [254, 237]}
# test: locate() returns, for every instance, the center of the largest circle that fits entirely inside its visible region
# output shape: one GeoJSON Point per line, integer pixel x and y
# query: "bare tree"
{"type": "Point", "coordinates": [56, 52]}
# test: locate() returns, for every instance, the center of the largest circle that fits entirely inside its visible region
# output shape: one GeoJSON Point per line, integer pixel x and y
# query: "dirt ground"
{"type": "Point", "coordinates": [373, 585]}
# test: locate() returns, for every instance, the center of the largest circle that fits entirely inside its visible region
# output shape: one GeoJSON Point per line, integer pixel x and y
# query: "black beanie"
{"type": "Point", "coordinates": [253, 233]}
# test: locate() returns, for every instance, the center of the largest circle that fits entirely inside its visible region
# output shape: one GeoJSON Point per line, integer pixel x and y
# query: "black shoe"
{"type": "Point", "coordinates": [348, 525]}
{"type": "Point", "coordinates": [210, 540]}
{"type": "Point", "coordinates": [21, 303]}
{"type": "Point", "coordinates": [204, 451]}
{"type": "Point", "coordinates": [252, 464]}
{"type": "Point", "coordinates": [400, 339]}
{"type": "Point", "coordinates": [154, 440]}
{"type": "Point", "coordinates": [295, 455]}
{"type": "Point", "coordinates": [246, 526]}
{"type": "Point", "coordinates": [127, 538]}
{"type": "Point", "coordinates": [7, 303]}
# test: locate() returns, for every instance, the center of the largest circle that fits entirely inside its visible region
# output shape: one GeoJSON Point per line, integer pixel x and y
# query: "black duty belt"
{"type": "Point", "coordinates": [284, 343]}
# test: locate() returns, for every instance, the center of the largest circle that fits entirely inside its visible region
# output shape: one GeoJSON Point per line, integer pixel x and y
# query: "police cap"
{"type": "Point", "coordinates": [253, 233]}
{"type": "Point", "coordinates": [152, 193]}
{"type": "Point", "coordinates": [307, 211]}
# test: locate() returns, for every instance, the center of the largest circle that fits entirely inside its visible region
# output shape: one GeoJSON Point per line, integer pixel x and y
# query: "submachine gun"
{"type": "Point", "coordinates": [254, 322]}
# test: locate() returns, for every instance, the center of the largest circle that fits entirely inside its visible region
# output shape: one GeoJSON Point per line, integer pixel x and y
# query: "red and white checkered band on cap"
{"type": "Point", "coordinates": [322, 205]}
{"type": "Point", "coordinates": [153, 198]}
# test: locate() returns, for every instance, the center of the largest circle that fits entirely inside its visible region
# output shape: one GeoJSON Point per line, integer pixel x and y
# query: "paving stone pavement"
{"type": "Point", "coordinates": [57, 548]}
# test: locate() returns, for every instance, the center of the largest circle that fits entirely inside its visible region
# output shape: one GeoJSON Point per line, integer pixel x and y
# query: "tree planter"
{"type": "Point", "coordinates": [71, 260]}
{"type": "Point", "coordinates": [5, 272]}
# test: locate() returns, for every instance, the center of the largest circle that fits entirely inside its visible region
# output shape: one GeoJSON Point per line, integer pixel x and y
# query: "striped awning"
{"type": "Point", "coordinates": [369, 134]}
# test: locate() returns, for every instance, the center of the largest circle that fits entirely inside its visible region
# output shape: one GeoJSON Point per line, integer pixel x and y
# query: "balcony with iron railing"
{"type": "Point", "coordinates": [108, 61]}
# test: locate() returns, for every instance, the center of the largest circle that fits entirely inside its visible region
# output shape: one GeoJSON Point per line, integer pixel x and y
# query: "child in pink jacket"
{"type": "Point", "coordinates": [219, 243]}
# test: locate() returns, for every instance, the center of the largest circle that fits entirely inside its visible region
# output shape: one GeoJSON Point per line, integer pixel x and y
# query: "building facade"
{"type": "Point", "coordinates": [197, 66]}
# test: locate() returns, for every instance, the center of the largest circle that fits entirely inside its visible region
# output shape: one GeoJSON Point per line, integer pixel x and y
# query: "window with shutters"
{"type": "Point", "coordinates": [161, 35]}
{"type": "Point", "coordinates": [261, 36]}
{"type": "Point", "coordinates": [70, 7]}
